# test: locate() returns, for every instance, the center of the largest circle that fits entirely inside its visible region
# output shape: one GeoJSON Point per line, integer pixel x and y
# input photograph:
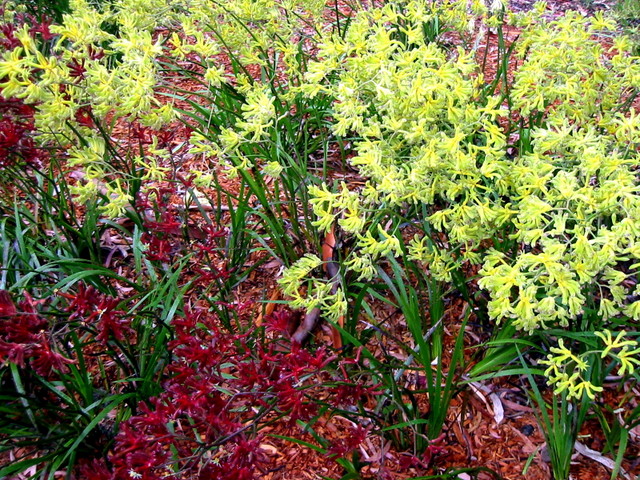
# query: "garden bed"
{"type": "Point", "coordinates": [440, 200]}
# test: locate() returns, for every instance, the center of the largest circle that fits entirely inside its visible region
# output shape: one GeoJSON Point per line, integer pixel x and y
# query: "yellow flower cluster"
{"type": "Point", "coordinates": [624, 351]}
{"type": "Point", "coordinates": [109, 61]}
{"type": "Point", "coordinates": [566, 370]}
{"type": "Point", "coordinates": [88, 70]}
{"type": "Point", "coordinates": [320, 293]}
{"type": "Point", "coordinates": [411, 105]}
{"type": "Point", "coordinates": [566, 71]}
{"type": "Point", "coordinates": [427, 136]}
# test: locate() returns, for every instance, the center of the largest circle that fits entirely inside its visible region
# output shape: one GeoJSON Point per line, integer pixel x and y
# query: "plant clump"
{"type": "Point", "coordinates": [156, 154]}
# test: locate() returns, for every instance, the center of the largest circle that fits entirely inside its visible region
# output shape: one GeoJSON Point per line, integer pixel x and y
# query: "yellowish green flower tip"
{"type": "Point", "coordinates": [624, 351]}
{"type": "Point", "coordinates": [565, 373]}
{"type": "Point", "coordinates": [566, 369]}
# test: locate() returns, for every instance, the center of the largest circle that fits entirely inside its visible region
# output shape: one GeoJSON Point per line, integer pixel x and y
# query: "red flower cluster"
{"type": "Point", "coordinates": [25, 335]}
{"type": "Point", "coordinates": [217, 392]}
{"type": "Point", "coordinates": [223, 387]}
{"type": "Point", "coordinates": [98, 313]}
{"type": "Point", "coordinates": [348, 442]}
{"type": "Point", "coordinates": [162, 233]}
{"type": "Point", "coordinates": [17, 143]}
{"type": "Point", "coordinates": [196, 427]}
{"type": "Point", "coordinates": [24, 338]}
{"type": "Point", "coordinates": [168, 235]}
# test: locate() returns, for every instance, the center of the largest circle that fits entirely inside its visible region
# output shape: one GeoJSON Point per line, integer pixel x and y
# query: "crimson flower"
{"type": "Point", "coordinates": [43, 29]}
{"type": "Point", "coordinates": [347, 443]}
{"type": "Point", "coordinates": [44, 360]}
{"type": "Point", "coordinates": [7, 307]}
{"type": "Point", "coordinates": [9, 41]}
